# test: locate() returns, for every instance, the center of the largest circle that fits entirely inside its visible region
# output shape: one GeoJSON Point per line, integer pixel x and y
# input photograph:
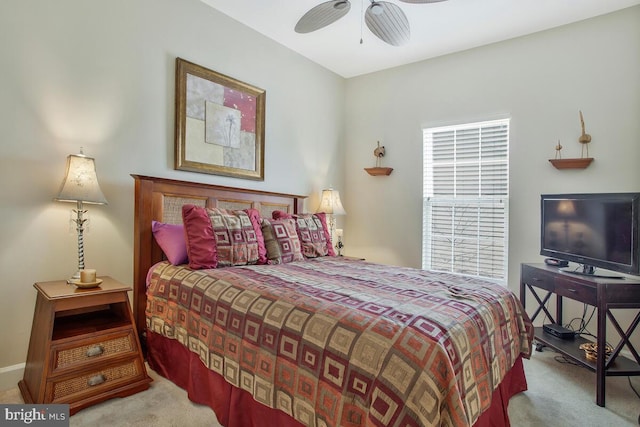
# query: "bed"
{"type": "Point", "coordinates": [324, 341]}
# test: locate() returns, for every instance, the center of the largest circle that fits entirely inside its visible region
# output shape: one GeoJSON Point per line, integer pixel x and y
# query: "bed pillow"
{"type": "Point", "coordinates": [313, 233]}
{"type": "Point", "coordinates": [235, 238]}
{"type": "Point", "coordinates": [256, 221]}
{"type": "Point", "coordinates": [327, 233]}
{"type": "Point", "coordinates": [170, 238]}
{"type": "Point", "coordinates": [281, 241]}
{"type": "Point", "coordinates": [199, 237]}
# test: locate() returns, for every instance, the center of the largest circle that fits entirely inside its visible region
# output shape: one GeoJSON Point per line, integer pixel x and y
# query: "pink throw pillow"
{"type": "Point", "coordinates": [200, 240]}
{"type": "Point", "coordinates": [170, 238]}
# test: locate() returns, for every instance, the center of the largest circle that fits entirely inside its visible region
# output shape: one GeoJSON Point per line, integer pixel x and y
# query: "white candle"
{"type": "Point", "coordinates": [88, 275]}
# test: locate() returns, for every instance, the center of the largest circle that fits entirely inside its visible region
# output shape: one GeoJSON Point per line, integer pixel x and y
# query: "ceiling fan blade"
{"type": "Point", "coordinates": [421, 1]}
{"type": "Point", "coordinates": [322, 15]}
{"type": "Point", "coordinates": [388, 22]}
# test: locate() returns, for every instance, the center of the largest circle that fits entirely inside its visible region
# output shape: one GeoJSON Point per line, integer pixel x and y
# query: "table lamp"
{"type": "Point", "coordinates": [80, 185]}
{"type": "Point", "coordinates": [331, 205]}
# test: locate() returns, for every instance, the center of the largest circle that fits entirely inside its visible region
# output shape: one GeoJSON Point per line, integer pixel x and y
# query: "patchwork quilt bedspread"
{"type": "Point", "coordinates": [337, 342]}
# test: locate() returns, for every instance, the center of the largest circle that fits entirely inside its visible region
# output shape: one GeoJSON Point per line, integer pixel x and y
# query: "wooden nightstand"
{"type": "Point", "coordinates": [83, 348]}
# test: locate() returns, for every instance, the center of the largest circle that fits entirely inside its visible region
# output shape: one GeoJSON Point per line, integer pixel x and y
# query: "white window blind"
{"type": "Point", "coordinates": [465, 199]}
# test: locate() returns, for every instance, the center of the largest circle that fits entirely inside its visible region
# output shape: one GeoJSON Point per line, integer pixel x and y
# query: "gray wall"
{"type": "Point", "coordinates": [101, 76]}
{"type": "Point", "coordinates": [541, 82]}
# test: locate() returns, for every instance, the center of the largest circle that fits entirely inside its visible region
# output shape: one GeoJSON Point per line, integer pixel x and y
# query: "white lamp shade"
{"type": "Point", "coordinates": [330, 203]}
{"type": "Point", "coordinates": [80, 183]}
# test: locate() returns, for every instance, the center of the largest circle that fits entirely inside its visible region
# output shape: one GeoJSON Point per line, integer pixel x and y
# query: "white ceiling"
{"type": "Point", "coordinates": [436, 28]}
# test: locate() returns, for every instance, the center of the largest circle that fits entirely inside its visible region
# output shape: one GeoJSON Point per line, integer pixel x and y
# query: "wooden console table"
{"type": "Point", "coordinates": [605, 294]}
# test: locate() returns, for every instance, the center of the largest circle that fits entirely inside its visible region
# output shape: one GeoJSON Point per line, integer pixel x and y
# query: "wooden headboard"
{"type": "Point", "coordinates": [161, 199]}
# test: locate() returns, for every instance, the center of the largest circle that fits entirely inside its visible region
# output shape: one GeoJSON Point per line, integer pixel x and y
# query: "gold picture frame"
{"type": "Point", "coordinates": [219, 123]}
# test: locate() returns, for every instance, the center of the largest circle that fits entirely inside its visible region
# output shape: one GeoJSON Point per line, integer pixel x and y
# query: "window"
{"type": "Point", "coordinates": [465, 199]}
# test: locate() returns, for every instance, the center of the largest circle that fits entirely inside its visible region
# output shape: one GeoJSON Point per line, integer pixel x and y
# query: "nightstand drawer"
{"type": "Point", "coordinates": [94, 381]}
{"type": "Point", "coordinates": [74, 354]}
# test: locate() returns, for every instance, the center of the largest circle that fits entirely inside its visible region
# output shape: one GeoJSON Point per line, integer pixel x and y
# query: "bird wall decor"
{"type": "Point", "coordinates": [379, 153]}
{"type": "Point", "coordinates": [378, 170]}
{"type": "Point", "coordinates": [558, 150]}
{"type": "Point", "coordinates": [585, 138]}
{"type": "Point", "coordinates": [578, 163]}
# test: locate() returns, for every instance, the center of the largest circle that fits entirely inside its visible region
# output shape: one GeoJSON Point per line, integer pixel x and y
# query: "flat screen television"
{"type": "Point", "coordinates": [595, 230]}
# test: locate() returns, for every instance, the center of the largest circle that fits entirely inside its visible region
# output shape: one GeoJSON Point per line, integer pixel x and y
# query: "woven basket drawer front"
{"type": "Point", "coordinates": [96, 381]}
{"type": "Point", "coordinates": [96, 350]}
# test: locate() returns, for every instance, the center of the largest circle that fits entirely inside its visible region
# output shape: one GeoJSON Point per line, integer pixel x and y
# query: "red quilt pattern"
{"type": "Point", "coordinates": [337, 342]}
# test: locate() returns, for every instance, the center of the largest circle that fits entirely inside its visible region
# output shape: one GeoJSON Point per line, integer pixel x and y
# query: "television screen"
{"type": "Point", "coordinates": [596, 230]}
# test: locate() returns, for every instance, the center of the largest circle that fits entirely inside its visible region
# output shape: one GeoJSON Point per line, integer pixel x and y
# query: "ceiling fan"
{"type": "Point", "coordinates": [385, 20]}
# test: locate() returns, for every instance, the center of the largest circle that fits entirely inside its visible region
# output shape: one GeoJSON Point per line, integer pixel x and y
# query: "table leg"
{"type": "Point", "coordinates": [600, 354]}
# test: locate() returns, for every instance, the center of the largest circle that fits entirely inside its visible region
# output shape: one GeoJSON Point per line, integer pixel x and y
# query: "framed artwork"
{"type": "Point", "coordinates": [219, 123]}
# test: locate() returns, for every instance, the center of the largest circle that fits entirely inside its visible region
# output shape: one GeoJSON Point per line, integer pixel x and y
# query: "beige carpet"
{"type": "Point", "coordinates": [564, 395]}
{"type": "Point", "coordinates": [559, 395]}
{"type": "Point", "coordinates": [163, 405]}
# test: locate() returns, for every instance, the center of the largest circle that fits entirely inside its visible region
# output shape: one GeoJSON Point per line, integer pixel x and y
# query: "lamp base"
{"type": "Point", "coordinates": [75, 277]}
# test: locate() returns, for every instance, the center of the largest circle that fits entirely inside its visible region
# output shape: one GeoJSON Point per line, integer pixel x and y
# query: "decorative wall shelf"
{"type": "Point", "coordinates": [379, 171]}
{"type": "Point", "coordinates": [571, 163]}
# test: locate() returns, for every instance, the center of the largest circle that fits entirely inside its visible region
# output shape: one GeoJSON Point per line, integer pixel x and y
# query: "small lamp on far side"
{"type": "Point", "coordinates": [80, 185]}
{"type": "Point", "coordinates": [331, 205]}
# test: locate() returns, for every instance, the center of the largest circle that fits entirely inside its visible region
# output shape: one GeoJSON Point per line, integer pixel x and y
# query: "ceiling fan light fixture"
{"type": "Point", "coordinates": [385, 20]}
{"type": "Point", "coordinates": [322, 15]}
{"type": "Point", "coordinates": [391, 26]}
{"type": "Point", "coordinates": [376, 8]}
{"type": "Point", "coordinates": [340, 5]}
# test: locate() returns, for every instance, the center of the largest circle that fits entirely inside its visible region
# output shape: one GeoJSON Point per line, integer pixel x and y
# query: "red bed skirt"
{"type": "Point", "coordinates": [235, 407]}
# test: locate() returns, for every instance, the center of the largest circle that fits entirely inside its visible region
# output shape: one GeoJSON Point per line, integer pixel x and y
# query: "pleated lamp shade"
{"type": "Point", "coordinates": [80, 183]}
{"type": "Point", "coordinates": [330, 203]}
